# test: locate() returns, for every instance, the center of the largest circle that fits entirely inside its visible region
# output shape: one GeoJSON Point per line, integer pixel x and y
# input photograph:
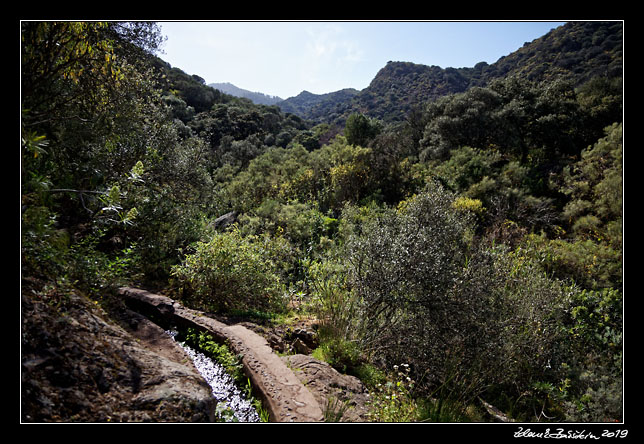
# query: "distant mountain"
{"type": "Point", "coordinates": [318, 107]}
{"type": "Point", "coordinates": [576, 51]}
{"type": "Point", "coordinates": [256, 97]}
{"type": "Point", "coordinates": [400, 86]}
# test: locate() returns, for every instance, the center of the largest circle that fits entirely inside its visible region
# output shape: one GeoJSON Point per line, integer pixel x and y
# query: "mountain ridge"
{"type": "Point", "coordinates": [318, 106]}
{"type": "Point", "coordinates": [575, 51]}
{"type": "Point", "coordinates": [256, 97]}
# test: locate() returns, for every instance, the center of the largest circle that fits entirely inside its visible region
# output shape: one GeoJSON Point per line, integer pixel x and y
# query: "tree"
{"type": "Point", "coordinates": [461, 119]}
{"type": "Point", "coordinates": [518, 117]}
{"type": "Point", "coordinates": [113, 171]}
{"type": "Point", "coordinates": [359, 129]}
{"type": "Point", "coordinates": [595, 187]}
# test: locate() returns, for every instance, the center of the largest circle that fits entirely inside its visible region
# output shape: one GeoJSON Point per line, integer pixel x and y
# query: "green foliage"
{"type": "Point", "coordinates": [393, 400]}
{"type": "Point", "coordinates": [278, 174]}
{"type": "Point", "coordinates": [43, 246]}
{"type": "Point", "coordinates": [359, 129]}
{"type": "Point", "coordinates": [338, 309]}
{"type": "Point", "coordinates": [583, 376]}
{"type": "Point", "coordinates": [335, 409]}
{"type": "Point", "coordinates": [590, 264]}
{"type": "Point", "coordinates": [335, 174]}
{"type": "Point", "coordinates": [220, 353]}
{"type": "Point", "coordinates": [595, 184]}
{"type": "Point", "coordinates": [467, 204]}
{"type": "Point", "coordinates": [334, 304]}
{"type": "Point", "coordinates": [597, 317]}
{"type": "Point", "coordinates": [441, 307]}
{"type": "Point", "coordinates": [406, 269]}
{"type": "Point", "coordinates": [479, 239]}
{"type": "Point", "coordinates": [348, 172]}
{"type": "Point", "coordinates": [516, 117]}
{"type": "Point", "coordinates": [230, 272]}
{"type": "Point", "coordinates": [96, 271]}
{"type": "Point", "coordinates": [319, 107]}
{"type": "Point", "coordinates": [467, 167]}
{"type": "Point", "coordinates": [344, 356]}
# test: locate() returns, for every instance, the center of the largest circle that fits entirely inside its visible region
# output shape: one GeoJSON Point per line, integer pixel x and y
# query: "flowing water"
{"type": "Point", "coordinates": [232, 404]}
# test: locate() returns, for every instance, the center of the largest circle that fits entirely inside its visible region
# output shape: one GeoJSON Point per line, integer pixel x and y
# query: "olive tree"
{"type": "Point", "coordinates": [464, 317]}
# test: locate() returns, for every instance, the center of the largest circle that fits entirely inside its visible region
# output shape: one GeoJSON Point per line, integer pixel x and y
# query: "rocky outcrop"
{"type": "Point", "coordinates": [343, 398]}
{"type": "Point", "coordinates": [80, 366]}
{"type": "Point", "coordinates": [81, 363]}
{"type": "Point", "coordinates": [301, 338]}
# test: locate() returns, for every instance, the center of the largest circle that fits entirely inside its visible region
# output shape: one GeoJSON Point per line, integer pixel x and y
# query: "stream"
{"type": "Point", "coordinates": [232, 405]}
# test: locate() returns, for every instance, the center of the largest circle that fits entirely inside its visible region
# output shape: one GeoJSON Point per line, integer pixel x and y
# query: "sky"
{"type": "Point", "coordinates": [286, 58]}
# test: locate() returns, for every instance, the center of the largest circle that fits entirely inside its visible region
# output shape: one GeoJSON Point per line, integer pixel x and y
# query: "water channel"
{"type": "Point", "coordinates": [232, 403]}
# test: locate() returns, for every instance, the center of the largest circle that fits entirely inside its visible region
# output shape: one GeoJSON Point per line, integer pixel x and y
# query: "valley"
{"type": "Point", "coordinates": [447, 242]}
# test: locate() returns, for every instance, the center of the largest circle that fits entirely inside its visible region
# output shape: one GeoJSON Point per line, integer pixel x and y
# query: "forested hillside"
{"type": "Point", "coordinates": [255, 97]}
{"type": "Point", "coordinates": [457, 233]}
{"type": "Point", "coordinates": [576, 51]}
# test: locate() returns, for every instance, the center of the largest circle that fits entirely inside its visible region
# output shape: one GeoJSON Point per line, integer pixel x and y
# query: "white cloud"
{"type": "Point", "coordinates": [330, 53]}
{"type": "Point", "coordinates": [330, 42]}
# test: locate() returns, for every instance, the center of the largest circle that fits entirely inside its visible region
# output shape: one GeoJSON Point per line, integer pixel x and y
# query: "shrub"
{"type": "Point", "coordinates": [596, 366]}
{"type": "Point", "coordinates": [359, 129]}
{"type": "Point", "coordinates": [466, 319]}
{"type": "Point", "coordinates": [231, 272]}
{"type": "Point", "coordinates": [405, 268]}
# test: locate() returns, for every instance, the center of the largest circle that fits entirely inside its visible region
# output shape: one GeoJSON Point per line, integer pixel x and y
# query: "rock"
{"type": "Point", "coordinates": [301, 347]}
{"type": "Point", "coordinates": [301, 340]}
{"type": "Point", "coordinates": [342, 398]}
{"type": "Point", "coordinates": [227, 219]}
{"type": "Point", "coordinates": [307, 337]}
{"type": "Point", "coordinates": [276, 342]}
{"type": "Point", "coordinates": [78, 365]}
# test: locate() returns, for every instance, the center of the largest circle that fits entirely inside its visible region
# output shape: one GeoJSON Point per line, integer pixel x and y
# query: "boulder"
{"type": "Point", "coordinates": [78, 365]}
{"type": "Point", "coordinates": [342, 398]}
{"type": "Point", "coordinates": [226, 220]}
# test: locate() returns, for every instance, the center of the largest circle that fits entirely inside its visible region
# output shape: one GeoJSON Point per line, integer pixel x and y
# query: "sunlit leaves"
{"type": "Point", "coordinates": [230, 271]}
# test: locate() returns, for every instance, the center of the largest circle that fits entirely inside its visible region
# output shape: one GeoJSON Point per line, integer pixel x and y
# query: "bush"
{"type": "Point", "coordinates": [231, 272]}
{"type": "Point", "coordinates": [592, 265]}
{"type": "Point", "coordinates": [465, 318]}
{"type": "Point", "coordinates": [405, 267]}
{"type": "Point", "coordinates": [596, 366]}
{"type": "Point", "coordinates": [564, 342]}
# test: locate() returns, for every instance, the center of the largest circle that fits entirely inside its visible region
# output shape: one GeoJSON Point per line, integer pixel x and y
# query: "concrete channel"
{"type": "Point", "coordinates": [282, 393]}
